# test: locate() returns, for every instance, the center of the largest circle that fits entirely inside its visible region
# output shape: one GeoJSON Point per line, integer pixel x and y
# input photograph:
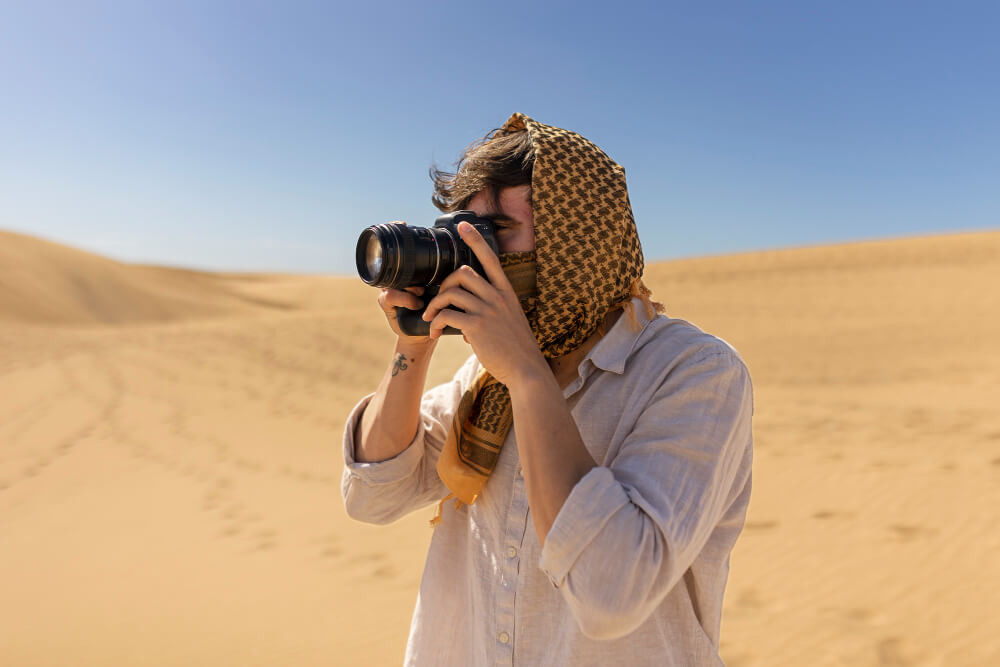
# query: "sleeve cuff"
{"type": "Point", "coordinates": [590, 505]}
{"type": "Point", "coordinates": [388, 471]}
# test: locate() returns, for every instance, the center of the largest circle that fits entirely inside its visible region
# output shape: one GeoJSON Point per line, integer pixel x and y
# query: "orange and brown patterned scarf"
{"type": "Point", "coordinates": [587, 262]}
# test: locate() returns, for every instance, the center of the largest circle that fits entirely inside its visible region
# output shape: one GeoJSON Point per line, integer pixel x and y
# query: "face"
{"type": "Point", "coordinates": [515, 222]}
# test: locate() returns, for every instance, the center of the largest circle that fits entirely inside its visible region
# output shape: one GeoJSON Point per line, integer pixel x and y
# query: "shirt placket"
{"type": "Point", "coordinates": [517, 518]}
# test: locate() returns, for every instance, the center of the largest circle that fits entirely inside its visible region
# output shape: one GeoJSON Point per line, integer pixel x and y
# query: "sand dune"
{"type": "Point", "coordinates": [49, 283]}
{"type": "Point", "coordinates": [170, 465]}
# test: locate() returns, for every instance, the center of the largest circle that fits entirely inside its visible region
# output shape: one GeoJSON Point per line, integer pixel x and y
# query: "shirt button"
{"type": "Point", "coordinates": [520, 472]}
{"type": "Point", "coordinates": [504, 637]}
{"type": "Point", "coordinates": [511, 552]}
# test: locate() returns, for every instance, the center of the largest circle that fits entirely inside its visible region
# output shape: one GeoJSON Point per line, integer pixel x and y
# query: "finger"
{"type": "Point", "coordinates": [455, 296]}
{"type": "Point", "coordinates": [471, 281]}
{"type": "Point", "coordinates": [415, 289]}
{"type": "Point", "coordinates": [449, 318]}
{"type": "Point", "coordinates": [390, 298]}
{"type": "Point", "coordinates": [485, 254]}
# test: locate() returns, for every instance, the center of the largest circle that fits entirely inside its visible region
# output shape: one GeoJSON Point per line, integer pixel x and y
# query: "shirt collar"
{"type": "Point", "coordinates": [612, 351]}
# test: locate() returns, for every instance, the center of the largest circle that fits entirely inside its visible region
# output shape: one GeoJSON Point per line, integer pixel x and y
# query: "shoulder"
{"type": "Point", "coordinates": [669, 344]}
{"type": "Point", "coordinates": [677, 362]}
{"type": "Point", "coordinates": [680, 368]}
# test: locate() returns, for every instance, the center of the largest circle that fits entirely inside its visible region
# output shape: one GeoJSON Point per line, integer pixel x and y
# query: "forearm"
{"type": "Point", "coordinates": [553, 455]}
{"type": "Point", "coordinates": [391, 419]}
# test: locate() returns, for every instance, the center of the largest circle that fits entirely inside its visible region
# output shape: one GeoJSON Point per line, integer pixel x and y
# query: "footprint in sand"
{"type": "Point", "coordinates": [760, 525]}
{"type": "Point", "coordinates": [861, 615]}
{"type": "Point", "coordinates": [750, 598]}
{"type": "Point", "coordinates": [909, 532]}
{"type": "Point", "coordinates": [330, 546]}
{"type": "Point", "coordinates": [379, 568]}
{"type": "Point", "coordinates": [233, 513]}
{"type": "Point", "coordinates": [231, 530]}
{"type": "Point", "coordinates": [831, 514]}
{"type": "Point", "coordinates": [265, 540]}
{"type": "Point", "coordinates": [891, 652]}
{"type": "Point", "coordinates": [916, 418]}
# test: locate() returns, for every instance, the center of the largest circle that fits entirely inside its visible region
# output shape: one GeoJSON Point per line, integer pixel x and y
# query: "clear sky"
{"type": "Point", "coordinates": [266, 136]}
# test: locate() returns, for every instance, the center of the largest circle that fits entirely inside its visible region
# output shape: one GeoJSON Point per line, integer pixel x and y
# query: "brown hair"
{"type": "Point", "coordinates": [503, 158]}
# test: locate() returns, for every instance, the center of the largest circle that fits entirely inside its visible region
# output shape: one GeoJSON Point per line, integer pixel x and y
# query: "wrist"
{"type": "Point", "coordinates": [419, 346]}
{"type": "Point", "coordinates": [530, 378]}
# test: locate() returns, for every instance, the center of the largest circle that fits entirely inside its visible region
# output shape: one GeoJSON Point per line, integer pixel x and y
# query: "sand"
{"type": "Point", "coordinates": [170, 459]}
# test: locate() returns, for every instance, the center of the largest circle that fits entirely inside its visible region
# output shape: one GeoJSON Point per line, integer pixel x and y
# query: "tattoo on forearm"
{"type": "Point", "coordinates": [399, 365]}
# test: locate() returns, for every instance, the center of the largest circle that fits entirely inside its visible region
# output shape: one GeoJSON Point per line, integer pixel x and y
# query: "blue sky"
{"type": "Point", "coordinates": [266, 136]}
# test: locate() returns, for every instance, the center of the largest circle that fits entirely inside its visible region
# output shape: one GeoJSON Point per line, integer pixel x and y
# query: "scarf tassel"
{"type": "Point", "coordinates": [437, 517]}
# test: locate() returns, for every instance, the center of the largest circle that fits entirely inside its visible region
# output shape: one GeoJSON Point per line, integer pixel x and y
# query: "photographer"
{"type": "Point", "coordinates": [599, 452]}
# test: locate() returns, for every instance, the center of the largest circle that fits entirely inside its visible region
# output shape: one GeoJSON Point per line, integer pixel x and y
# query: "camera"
{"type": "Point", "coordinates": [395, 255]}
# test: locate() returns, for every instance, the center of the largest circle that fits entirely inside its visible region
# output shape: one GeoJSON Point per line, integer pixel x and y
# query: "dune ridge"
{"type": "Point", "coordinates": [49, 283]}
{"type": "Point", "coordinates": [170, 458]}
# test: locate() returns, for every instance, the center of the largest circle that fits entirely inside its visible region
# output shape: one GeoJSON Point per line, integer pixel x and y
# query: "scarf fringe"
{"type": "Point", "coordinates": [437, 517]}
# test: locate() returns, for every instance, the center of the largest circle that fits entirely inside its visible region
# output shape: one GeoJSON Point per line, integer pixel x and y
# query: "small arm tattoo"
{"type": "Point", "coordinates": [399, 365]}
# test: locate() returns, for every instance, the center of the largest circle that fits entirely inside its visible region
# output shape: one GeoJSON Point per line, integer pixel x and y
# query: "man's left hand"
{"type": "Point", "coordinates": [493, 322]}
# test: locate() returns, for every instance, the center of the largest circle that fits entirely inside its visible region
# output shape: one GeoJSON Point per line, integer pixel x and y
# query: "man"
{"type": "Point", "coordinates": [600, 463]}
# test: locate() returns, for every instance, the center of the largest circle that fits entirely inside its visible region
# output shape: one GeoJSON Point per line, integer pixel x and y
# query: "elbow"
{"type": "Point", "coordinates": [603, 622]}
{"type": "Point", "coordinates": [604, 616]}
{"type": "Point", "coordinates": [359, 507]}
{"type": "Point", "coordinates": [365, 513]}
{"type": "Point", "coordinates": [617, 605]}
{"type": "Point", "coordinates": [376, 519]}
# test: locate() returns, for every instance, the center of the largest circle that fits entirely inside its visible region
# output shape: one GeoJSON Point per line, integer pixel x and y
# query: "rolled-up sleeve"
{"type": "Point", "coordinates": [630, 529]}
{"type": "Point", "coordinates": [383, 491]}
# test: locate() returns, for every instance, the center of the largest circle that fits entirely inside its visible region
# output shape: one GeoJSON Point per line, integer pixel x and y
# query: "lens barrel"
{"type": "Point", "coordinates": [395, 255]}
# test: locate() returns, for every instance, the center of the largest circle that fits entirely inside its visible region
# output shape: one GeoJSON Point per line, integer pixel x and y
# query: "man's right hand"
{"type": "Point", "coordinates": [408, 297]}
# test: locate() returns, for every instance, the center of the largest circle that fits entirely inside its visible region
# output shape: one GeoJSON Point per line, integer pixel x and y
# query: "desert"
{"type": "Point", "coordinates": [170, 458]}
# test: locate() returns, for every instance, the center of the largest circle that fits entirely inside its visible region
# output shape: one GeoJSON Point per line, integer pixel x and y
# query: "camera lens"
{"type": "Point", "coordinates": [373, 256]}
{"type": "Point", "coordinates": [395, 255]}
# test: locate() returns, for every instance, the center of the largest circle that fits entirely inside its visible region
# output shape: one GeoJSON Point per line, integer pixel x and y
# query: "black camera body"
{"type": "Point", "coordinates": [395, 255]}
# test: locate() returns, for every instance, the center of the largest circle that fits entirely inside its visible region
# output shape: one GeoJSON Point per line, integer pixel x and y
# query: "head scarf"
{"type": "Point", "coordinates": [587, 262]}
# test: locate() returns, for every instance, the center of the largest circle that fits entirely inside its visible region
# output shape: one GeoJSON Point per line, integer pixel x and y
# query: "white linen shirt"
{"type": "Point", "coordinates": [634, 568]}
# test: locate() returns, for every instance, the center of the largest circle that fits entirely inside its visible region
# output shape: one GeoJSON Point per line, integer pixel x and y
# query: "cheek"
{"type": "Point", "coordinates": [521, 240]}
